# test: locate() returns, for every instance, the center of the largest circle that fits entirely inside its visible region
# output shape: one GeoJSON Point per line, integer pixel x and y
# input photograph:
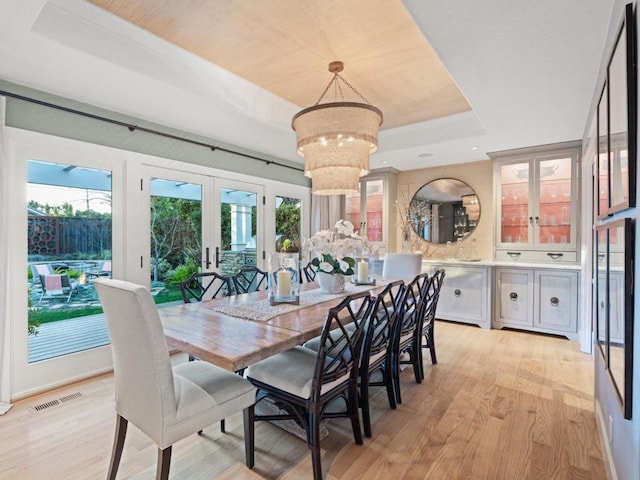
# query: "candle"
{"type": "Point", "coordinates": [284, 284]}
{"type": "Point", "coordinates": [363, 271]}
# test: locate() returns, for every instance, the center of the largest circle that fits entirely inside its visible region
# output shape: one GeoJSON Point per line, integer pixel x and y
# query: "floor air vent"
{"type": "Point", "coordinates": [52, 403]}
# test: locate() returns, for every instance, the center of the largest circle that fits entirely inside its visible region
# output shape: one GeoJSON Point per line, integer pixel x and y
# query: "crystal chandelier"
{"type": "Point", "coordinates": [336, 139]}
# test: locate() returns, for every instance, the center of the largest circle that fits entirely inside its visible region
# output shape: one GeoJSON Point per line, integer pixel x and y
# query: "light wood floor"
{"type": "Point", "coordinates": [499, 405]}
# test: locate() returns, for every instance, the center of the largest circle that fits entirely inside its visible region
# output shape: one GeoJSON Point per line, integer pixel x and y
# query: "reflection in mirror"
{"type": "Point", "coordinates": [602, 315]}
{"type": "Point", "coordinates": [616, 305]}
{"type": "Point", "coordinates": [444, 210]}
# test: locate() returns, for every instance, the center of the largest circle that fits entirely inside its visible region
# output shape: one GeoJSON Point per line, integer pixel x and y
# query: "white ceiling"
{"type": "Point", "coordinates": [528, 70]}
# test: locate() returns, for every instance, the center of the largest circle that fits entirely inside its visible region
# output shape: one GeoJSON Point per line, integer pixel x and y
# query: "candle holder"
{"type": "Point", "coordinates": [363, 268]}
{"type": "Point", "coordinates": [284, 279]}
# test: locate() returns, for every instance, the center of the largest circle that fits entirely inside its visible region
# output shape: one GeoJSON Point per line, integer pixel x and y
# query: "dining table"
{"type": "Point", "coordinates": [237, 331]}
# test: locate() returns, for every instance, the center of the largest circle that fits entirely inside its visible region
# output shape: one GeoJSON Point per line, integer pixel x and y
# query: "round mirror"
{"type": "Point", "coordinates": [444, 210]}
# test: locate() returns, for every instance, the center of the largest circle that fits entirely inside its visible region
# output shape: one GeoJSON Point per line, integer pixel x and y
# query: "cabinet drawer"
{"type": "Point", "coordinates": [515, 297]}
{"type": "Point", "coordinates": [529, 256]}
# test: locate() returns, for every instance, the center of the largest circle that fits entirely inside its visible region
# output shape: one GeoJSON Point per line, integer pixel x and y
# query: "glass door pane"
{"type": "Point", "coordinates": [237, 241]}
{"type": "Point", "coordinates": [176, 236]}
{"type": "Point", "coordinates": [352, 210]}
{"type": "Point", "coordinates": [375, 200]}
{"type": "Point", "coordinates": [554, 187]}
{"type": "Point", "coordinates": [288, 226]}
{"type": "Point", "coordinates": [69, 223]}
{"type": "Point", "coordinates": [514, 203]}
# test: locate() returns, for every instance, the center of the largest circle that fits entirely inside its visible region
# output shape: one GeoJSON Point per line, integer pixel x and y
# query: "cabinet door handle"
{"type": "Point", "coordinates": [530, 220]}
{"type": "Point", "coordinates": [457, 292]}
{"type": "Point", "coordinates": [601, 256]}
{"type": "Point", "coordinates": [555, 256]}
{"type": "Point", "coordinates": [514, 254]}
{"type": "Point", "coordinates": [554, 301]}
{"type": "Point", "coordinates": [537, 221]}
{"type": "Point", "coordinates": [513, 296]}
{"type": "Point", "coordinates": [602, 304]}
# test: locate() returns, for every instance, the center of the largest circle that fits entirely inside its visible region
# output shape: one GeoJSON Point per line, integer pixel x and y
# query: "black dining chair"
{"type": "Point", "coordinates": [303, 382]}
{"type": "Point", "coordinates": [408, 331]}
{"type": "Point", "coordinates": [250, 279]}
{"type": "Point", "coordinates": [309, 272]}
{"type": "Point", "coordinates": [377, 348]}
{"type": "Point", "coordinates": [206, 286]}
{"type": "Point", "coordinates": [429, 317]}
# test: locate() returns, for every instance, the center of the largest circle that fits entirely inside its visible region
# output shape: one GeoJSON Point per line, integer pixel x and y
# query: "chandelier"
{"type": "Point", "coordinates": [336, 139]}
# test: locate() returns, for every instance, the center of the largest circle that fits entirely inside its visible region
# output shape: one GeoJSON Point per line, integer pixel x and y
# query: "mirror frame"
{"type": "Point", "coordinates": [472, 201]}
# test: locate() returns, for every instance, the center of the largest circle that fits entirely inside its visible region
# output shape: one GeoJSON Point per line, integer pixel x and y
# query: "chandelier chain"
{"type": "Point", "coordinates": [334, 80]}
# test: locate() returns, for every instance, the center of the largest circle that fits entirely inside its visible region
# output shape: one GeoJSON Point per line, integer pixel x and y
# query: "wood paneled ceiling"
{"type": "Point", "coordinates": [285, 46]}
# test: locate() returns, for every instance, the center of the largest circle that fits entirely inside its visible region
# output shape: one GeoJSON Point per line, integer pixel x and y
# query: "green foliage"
{"type": "Point", "coordinates": [181, 273]}
{"type": "Point", "coordinates": [169, 294]}
{"type": "Point", "coordinates": [287, 244]}
{"type": "Point", "coordinates": [225, 226]}
{"type": "Point", "coordinates": [336, 265]}
{"type": "Point", "coordinates": [39, 316]}
{"type": "Point", "coordinates": [72, 273]}
{"type": "Point", "coordinates": [176, 232]}
{"type": "Point", "coordinates": [288, 221]}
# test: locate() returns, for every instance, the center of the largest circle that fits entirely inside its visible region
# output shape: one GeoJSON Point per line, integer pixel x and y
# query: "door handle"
{"type": "Point", "coordinates": [207, 262]}
{"type": "Point", "coordinates": [217, 257]}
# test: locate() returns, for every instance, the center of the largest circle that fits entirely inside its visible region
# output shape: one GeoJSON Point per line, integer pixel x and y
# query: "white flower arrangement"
{"type": "Point", "coordinates": [333, 249]}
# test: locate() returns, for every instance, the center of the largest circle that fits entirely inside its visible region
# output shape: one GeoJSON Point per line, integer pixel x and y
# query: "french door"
{"type": "Point", "coordinates": [68, 233]}
{"type": "Point", "coordinates": [197, 223]}
{"type": "Point", "coordinates": [179, 236]}
{"type": "Point", "coordinates": [238, 225]}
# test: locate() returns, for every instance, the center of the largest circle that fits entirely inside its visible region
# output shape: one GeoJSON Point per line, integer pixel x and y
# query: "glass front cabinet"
{"type": "Point", "coordinates": [536, 206]}
{"type": "Point", "coordinates": [371, 209]}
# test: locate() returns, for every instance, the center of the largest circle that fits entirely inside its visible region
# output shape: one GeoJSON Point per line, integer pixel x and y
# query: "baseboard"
{"type": "Point", "coordinates": [59, 384]}
{"type": "Point", "coordinates": [607, 455]}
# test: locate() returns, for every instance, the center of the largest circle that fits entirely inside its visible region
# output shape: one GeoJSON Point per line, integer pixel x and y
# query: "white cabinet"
{"type": "Point", "coordinates": [543, 300]}
{"type": "Point", "coordinates": [371, 209]}
{"type": "Point", "coordinates": [466, 293]}
{"type": "Point", "coordinates": [536, 192]}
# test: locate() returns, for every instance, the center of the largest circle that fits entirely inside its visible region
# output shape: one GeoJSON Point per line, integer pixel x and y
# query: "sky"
{"type": "Point", "coordinates": [77, 197]}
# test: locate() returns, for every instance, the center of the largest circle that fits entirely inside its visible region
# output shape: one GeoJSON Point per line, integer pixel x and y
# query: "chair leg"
{"type": "Point", "coordinates": [164, 462]}
{"type": "Point", "coordinates": [352, 410]}
{"type": "Point", "coordinates": [118, 444]}
{"type": "Point", "coordinates": [364, 404]}
{"type": "Point", "coordinates": [432, 345]}
{"type": "Point", "coordinates": [396, 377]}
{"type": "Point", "coordinates": [387, 375]}
{"type": "Point", "coordinates": [249, 435]}
{"type": "Point", "coordinates": [314, 445]}
{"type": "Point", "coordinates": [416, 360]}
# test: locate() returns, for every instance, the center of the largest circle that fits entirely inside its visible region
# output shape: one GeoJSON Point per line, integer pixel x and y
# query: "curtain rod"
{"type": "Point", "coordinates": [133, 128]}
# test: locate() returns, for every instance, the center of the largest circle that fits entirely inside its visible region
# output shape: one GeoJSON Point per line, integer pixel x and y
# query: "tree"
{"type": "Point", "coordinates": [288, 220]}
{"type": "Point", "coordinates": [176, 232]}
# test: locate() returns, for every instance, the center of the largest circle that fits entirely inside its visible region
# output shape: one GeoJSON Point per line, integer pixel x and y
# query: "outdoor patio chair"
{"type": "Point", "coordinates": [53, 285]}
{"type": "Point", "coordinates": [104, 270]}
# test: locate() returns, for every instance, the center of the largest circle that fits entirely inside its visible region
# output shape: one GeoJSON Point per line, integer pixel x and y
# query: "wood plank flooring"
{"type": "Point", "coordinates": [499, 405]}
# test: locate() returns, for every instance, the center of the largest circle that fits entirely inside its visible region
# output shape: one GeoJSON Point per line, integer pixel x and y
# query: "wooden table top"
{"type": "Point", "coordinates": [235, 343]}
